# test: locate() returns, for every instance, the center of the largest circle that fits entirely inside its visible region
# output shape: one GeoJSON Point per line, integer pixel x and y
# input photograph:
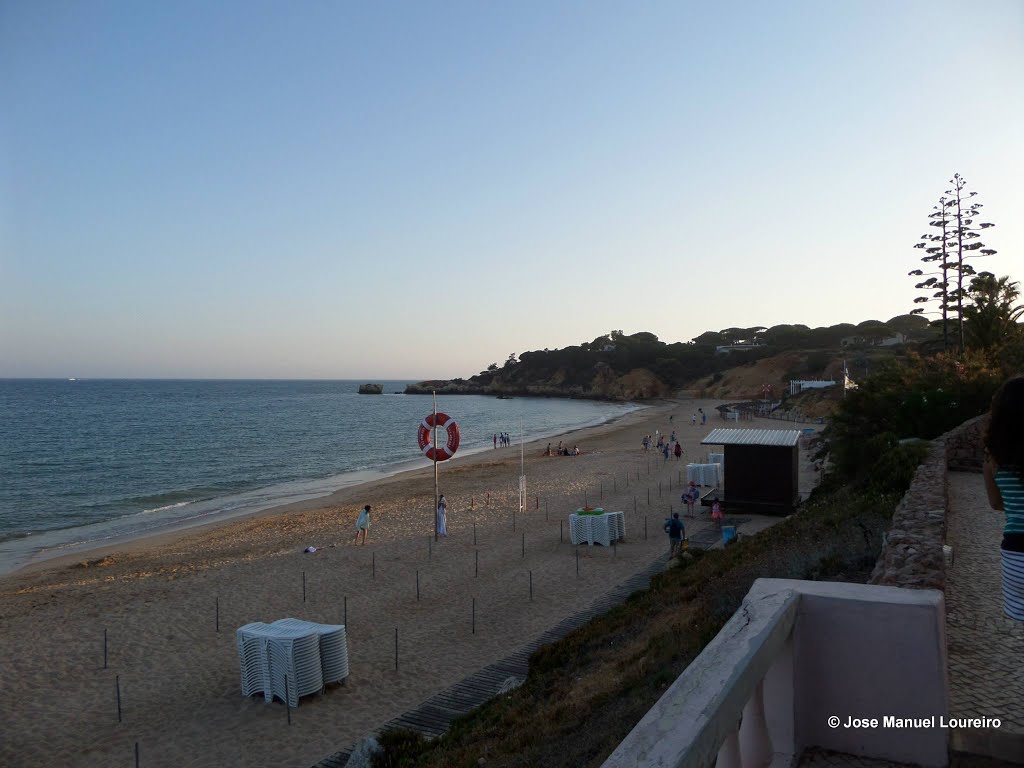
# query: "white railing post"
{"type": "Point", "coordinates": [729, 754]}
{"type": "Point", "coordinates": [754, 740]}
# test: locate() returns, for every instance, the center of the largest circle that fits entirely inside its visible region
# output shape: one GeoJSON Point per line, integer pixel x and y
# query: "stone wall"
{"type": "Point", "coordinates": [964, 449]}
{"type": "Point", "coordinates": [912, 554]}
{"type": "Point", "coordinates": [912, 551]}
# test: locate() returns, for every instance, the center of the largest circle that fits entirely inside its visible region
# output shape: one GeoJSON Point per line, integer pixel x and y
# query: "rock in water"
{"type": "Point", "coordinates": [371, 389]}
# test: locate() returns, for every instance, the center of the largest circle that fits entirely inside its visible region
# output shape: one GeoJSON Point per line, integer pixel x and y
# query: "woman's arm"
{"type": "Point", "coordinates": [995, 498]}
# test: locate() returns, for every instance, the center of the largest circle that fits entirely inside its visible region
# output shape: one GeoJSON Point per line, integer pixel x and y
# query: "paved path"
{"type": "Point", "coordinates": [986, 649]}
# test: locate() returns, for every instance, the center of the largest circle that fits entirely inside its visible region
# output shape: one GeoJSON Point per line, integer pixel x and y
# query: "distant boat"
{"type": "Point", "coordinates": [72, 379]}
{"type": "Point", "coordinates": [505, 397]}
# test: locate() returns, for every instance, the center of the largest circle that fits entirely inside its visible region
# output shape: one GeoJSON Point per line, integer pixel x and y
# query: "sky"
{"type": "Point", "coordinates": [416, 190]}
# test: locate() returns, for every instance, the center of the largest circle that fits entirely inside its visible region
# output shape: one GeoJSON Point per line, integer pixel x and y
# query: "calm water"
{"type": "Point", "coordinates": [85, 461]}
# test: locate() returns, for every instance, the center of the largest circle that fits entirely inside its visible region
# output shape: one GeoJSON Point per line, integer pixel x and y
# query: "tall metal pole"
{"type": "Point", "coordinates": [522, 470]}
{"type": "Point", "coordinates": [435, 465]}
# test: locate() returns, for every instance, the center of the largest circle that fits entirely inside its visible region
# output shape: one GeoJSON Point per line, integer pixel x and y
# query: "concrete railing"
{"type": "Point", "coordinates": [796, 654]}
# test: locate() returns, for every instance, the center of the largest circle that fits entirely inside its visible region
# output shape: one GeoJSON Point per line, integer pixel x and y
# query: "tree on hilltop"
{"type": "Point", "coordinates": [951, 247]}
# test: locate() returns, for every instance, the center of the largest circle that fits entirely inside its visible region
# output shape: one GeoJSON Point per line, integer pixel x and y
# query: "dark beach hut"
{"type": "Point", "coordinates": [762, 469]}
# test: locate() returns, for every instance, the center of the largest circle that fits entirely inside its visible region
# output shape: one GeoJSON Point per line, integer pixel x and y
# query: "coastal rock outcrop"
{"type": "Point", "coordinates": [601, 382]}
{"type": "Point", "coordinates": [371, 389]}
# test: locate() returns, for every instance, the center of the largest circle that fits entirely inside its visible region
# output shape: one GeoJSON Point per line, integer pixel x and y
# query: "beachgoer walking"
{"type": "Point", "coordinates": [703, 416]}
{"type": "Point", "coordinates": [1004, 482]}
{"type": "Point", "coordinates": [693, 420]}
{"type": "Point", "coordinates": [716, 511]}
{"type": "Point", "coordinates": [575, 450]}
{"type": "Point", "coordinates": [673, 438]}
{"type": "Point", "coordinates": [363, 524]}
{"type": "Point", "coordinates": [442, 516]}
{"type": "Point", "coordinates": [665, 451]}
{"type": "Point", "coordinates": [688, 498]}
{"type": "Point", "coordinates": [674, 528]}
{"type": "Point", "coordinates": [547, 451]}
{"type": "Point", "coordinates": [645, 443]}
{"type": "Point", "coordinates": [679, 451]}
{"type": "Point", "coordinates": [495, 441]}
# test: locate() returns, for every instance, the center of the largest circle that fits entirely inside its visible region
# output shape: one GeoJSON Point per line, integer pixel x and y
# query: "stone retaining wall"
{"type": "Point", "coordinates": [964, 450]}
{"type": "Point", "coordinates": [912, 554]}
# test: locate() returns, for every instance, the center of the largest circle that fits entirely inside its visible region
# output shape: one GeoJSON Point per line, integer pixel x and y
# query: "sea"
{"type": "Point", "coordinates": [89, 461]}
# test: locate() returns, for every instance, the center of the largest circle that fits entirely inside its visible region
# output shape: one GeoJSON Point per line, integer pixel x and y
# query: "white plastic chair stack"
{"type": "Point", "coordinates": [294, 661]}
{"type": "Point", "coordinates": [600, 530]}
{"type": "Point", "coordinates": [333, 646]}
{"type": "Point", "coordinates": [579, 529]}
{"type": "Point", "coordinates": [617, 524]}
{"type": "Point", "coordinates": [251, 658]}
{"type": "Point", "coordinates": [716, 458]}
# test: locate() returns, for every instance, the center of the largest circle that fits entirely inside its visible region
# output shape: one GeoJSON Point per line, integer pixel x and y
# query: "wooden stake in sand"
{"type": "Point", "coordinates": [648, 497]}
{"type": "Point", "coordinates": [136, 754]}
{"type": "Point", "coordinates": [417, 585]}
{"type": "Point", "coordinates": [477, 566]}
{"type": "Point", "coordinates": [474, 616]}
{"type": "Point", "coordinates": [216, 613]}
{"type": "Point", "coordinates": [645, 527]}
{"type": "Point", "coordinates": [559, 531]}
{"type": "Point", "coordinates": [104, 647]}
{"type": "Point", "coordinates": [531, 585]}
{"type": "Point", "coordinates": [634, 503]}
{"type": "Point", "coordinates": [474, 534]}
{"type": "Point", "coordinates": [117, 689]}
{"type": "Point", "coordinates": [396, 649]}
{"type": "Point", "coordinates": [303, 586]}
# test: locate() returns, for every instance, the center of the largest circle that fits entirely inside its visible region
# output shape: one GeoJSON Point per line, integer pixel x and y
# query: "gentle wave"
{"type": "Point", "coordinates": [169, 506]}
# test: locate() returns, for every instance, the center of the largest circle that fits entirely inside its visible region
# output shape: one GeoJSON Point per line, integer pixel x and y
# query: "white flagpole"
{"type": "Point", "coordinates": [435, 465]}
{"type": "Point", "coordinates": [522, 470]}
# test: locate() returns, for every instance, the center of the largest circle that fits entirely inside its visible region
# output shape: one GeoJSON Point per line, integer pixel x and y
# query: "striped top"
{"type": "Point", "coordinates": [1011, 488]}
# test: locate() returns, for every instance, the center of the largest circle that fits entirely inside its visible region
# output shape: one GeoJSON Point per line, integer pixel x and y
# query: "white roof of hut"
{"type": "Point", "coordinates": [780, 438]}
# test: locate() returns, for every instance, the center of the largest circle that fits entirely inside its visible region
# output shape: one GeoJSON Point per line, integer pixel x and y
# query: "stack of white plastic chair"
{"type": "Point", "coordinates": [716, 458]}
{"type": "Point", "coordinates": [600, 530]}
{"type": "Point", "coordinates": [333, 646]}
{"type": "Point", "coordinates": [579, 528]}
{"type": "Point", "coordinates": [251, 658]}
{"type": "Point", "coordinates": [293, 657]}
{"type": "Point", "coordinates": [618, 520]}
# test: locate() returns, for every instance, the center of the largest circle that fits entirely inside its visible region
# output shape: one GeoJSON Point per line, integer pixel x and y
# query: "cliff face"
{"type": "Point", "coordinates": [602, 383]}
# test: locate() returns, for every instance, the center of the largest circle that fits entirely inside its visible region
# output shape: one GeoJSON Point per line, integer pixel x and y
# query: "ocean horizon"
{"type": "Point", "coordinates": [92, 460]}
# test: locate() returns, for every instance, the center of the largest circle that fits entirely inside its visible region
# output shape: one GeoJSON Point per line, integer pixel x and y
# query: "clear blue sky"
{"type": "Point", "coordinates": [328, 189]}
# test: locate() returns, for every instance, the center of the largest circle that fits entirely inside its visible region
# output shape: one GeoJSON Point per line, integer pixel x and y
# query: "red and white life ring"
{"type": "Point", "coordinates": [426, 430]}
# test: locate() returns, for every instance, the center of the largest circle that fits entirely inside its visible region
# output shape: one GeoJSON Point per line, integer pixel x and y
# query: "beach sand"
{"type": "Point", "coordinates": [179, 677]}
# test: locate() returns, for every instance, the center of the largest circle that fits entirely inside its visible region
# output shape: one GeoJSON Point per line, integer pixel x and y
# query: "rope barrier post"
{"type": "Point", "coordinates": [645, 527]}
{"type": "Point", "coordinates": [474, 534]}
{"type": "Point", "coordinates": [303, 586]}
{"type": "Point", "coordinates": [396, 649]}
{"type": "Point", "coordinates": [474, 616]}
{"type": "Point", "coordinates": [559, 531]}
{"type": "Point", "coordinates": [136, 754]}
{"type": "Point", "coordinates": [417, 585]}
{"type": "Point", "coordinates": [117, 689]}
{"type": "Point", "coordinates": [531, 586]}
{"type": "Point", "coordinates": [477, 572]}
{"type": "Point", "coordinates": [634, 503]}
{"type": "Point", "coordinates": [216, 612]}
{"type": "Point", "coordinates": [104, 647]}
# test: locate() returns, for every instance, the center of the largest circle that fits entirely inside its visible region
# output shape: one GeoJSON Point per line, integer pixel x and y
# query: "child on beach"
{"type": "Point", "coordinates": [675, 529]}
{"type": "Point", "coordinates": [363, 524]}
{"type": "Point", "coordinates": [690, 498]}
{"type": "Point", "coordinates": [1004, 483]}
{"type": "Point", "coordinates": [716, 511]}
{"type": "Point", "coordinates": [442, 516]}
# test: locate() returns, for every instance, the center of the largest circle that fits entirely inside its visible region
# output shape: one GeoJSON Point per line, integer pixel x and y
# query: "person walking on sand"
{"type": "Point", "coordinates": [674, 528]}
{"type": "Point", "coordinates": [693, 420]}
{"type": "Point", "coordinates": [495, 441]}
{"type": "Point", "coordinates": [679, 451]}
{"type": "Point", "coordinates": [665, 451]}
{"type": "Point", "coordinates": [716, 511]}
{"type": "Point", "coordinates": [363, 524]}
{"type": "Point", "coordinates": [1004, 484]}
{"type": "Point", "coordinates": [442, 516]}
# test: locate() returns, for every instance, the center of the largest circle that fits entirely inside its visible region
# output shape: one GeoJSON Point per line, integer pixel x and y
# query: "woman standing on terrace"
{"type": "Point", "coordinates": [1004, 465]}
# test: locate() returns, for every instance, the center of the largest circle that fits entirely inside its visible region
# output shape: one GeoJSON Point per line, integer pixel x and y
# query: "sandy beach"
{"type": "Point", "coordinates": [179, 677]}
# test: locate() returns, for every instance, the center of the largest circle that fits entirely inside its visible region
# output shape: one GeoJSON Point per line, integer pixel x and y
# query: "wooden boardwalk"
{"type": "Point", "coordinates": [434, 716]}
